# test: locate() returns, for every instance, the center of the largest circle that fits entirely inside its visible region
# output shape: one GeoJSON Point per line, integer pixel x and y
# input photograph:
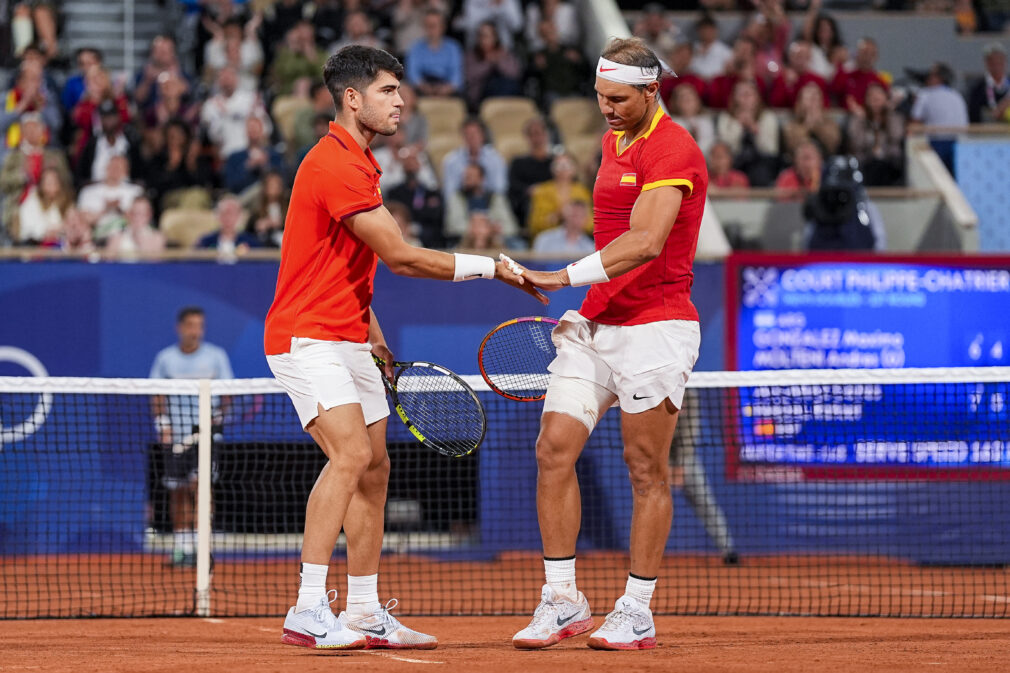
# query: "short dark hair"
{"type": "Point", "coordinates": [633, 51]}
{"type": "Point", "coordinates": [187, 311]}
{"type": "Point", "coordinates": [355, 67]}
{"type": "Point", "coordinates": [93, 50]}
{"type": "Point", "coordinates": [706, 19]}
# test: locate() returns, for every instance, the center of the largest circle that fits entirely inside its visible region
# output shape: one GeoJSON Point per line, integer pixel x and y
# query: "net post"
{"type": "Point", "coordinates": [203, 502]}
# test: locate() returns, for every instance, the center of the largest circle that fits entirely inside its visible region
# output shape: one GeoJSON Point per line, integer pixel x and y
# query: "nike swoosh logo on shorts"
{"type": "Point", "coordinates": [381, 631]}
{"type": "Point", "coordinates": [607, 69]}
{"type": "Point", "coordinates": [643, 397]}
{"type": "Point", "coordinates": [638, 633]}
{"type": "Point", "coordinates": [316, 635]}
{"type": "Point", "coordinates": [562, 622]}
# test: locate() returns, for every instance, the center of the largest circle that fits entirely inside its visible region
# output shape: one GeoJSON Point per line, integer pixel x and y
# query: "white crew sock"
{"type": "Point", "coordinates": [362, 595]}
{"type": "Point", "coordinates": [640, 589]}
{"type": "Point", "coordinates": [560, 575]}
{"type": "Point", "coordinates": [184, 541]}
{"type": "Point", "coordinates": [312, 587]}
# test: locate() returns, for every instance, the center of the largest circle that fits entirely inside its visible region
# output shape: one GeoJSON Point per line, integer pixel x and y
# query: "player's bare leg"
{"type": "Point", "coordinates": [647, 439]}
{"type": "Point", "coordinates": [563, 611]}
{"type": "Point", "coordinates": [340, 432]}
{"type": "Point", "coordinates": [182, 506]}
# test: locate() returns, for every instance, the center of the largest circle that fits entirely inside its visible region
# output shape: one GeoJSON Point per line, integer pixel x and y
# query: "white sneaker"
{"type": "Point", "coordinates": [628, 627]}
{"type": "Point", "coordinates": [555, 619]}
{"type": "Point", "coordinates": [319, 628]}
{"type": "Point", "coordinates": [382, 630]}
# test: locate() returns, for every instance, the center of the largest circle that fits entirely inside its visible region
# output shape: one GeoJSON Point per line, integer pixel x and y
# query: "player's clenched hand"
{"type": "Point", "coordinates": [512, 274]}
{"type": "Point", "coordinates": [382, 352]}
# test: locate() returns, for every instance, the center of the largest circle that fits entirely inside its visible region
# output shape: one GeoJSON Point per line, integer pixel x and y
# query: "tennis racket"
{"type": "Point", "coordinates": [513, 358]}
{"type": "Point", "coordinates": [437, 406]}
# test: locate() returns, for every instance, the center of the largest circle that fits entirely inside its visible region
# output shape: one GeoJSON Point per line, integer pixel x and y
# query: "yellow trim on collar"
{"type": "Point", "coordinates": [652, 127]}
{"type": "Point", "coordinates": [675, 182]}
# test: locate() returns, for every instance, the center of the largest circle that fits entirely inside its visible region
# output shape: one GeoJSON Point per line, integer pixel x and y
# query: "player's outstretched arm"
{"type": "Point", "coordinates": [379, 231]}
{"type": "Point", "coordinates": [652, 220]}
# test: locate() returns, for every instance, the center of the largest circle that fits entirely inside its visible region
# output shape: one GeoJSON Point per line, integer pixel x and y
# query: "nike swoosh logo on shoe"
{"type": "Point", "coordinates": [381, 631]}
{"type": "Point", "coordinates": [562, 622]}
{"type": "Point", "coordinates": [638, 633]}
{"type": "Point", "coordinates": [316, 635]}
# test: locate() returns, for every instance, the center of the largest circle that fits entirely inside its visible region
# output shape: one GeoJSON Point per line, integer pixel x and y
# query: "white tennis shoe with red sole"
{"type": "Point", "coordinates": [628, 627]}
{"type": "Point", "coordinates": [555, 619]}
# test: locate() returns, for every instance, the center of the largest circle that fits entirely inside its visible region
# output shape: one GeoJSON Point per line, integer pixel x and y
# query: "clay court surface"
{"type": "Point", "coordinates": [482, 644]}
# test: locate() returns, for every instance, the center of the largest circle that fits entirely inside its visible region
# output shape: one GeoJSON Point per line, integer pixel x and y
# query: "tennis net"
{"type": "Point", "coordinates": [842, 492]}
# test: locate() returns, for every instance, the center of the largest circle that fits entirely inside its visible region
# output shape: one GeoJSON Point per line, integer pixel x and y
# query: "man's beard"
{"type": "Point", "coordinates": [373, 123]}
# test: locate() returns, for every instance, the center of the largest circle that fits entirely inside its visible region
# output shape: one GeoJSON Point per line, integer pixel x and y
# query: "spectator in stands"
{"type": "Point", "coordinates": [224, 114]}
{"type": "Point", "coordinates": [408, 228]}
{"type": "Point", "coordinates": [175, 418]}
{"type": "Point", "coordinates": [711, 55]}
{"type": "Point", "coordinates": [840, 215]}
{"type": "Point", "coordinates": [482, 233]}
{"type": "Point", "coordinates": [174, 102]}
{"type": "Point", "coordinates": [24, 166]}
{"type": "Point", "coordinates": [770, 29]}
{"type": "Point", "coordinates": [39, 218]}
{"type": "Point", "coordinates": [29, 94]}
{"type": "Point", "coordinates": [939, 104]}
{"type": "Point", "coordinates": [413, 125]}
{"type": "Point", "coordinates": [752, 133]}
{"type": "Point", "coordinates": [489, 69]}
{"type": "Point", "coordinates": [321, 104]}
{"type": "Point", "coordinates": [568, 238]}
{"type": "Point", "coordinates": [162, 59]}
{"type": "Point", "coordinates": [686, 109]}
{"type": "Point", "coordinates": [244, 168]}
{"type": "Point", "coordinates": [76, 237]}
{"type": "Point", "coordinates": [320, 127]}
{"type": "Point", "coordinates": [425, 203]}
{"type": "Point", "coordinates": [104, 204]}
{"type": "Point", "coordinates": [299, 57]}
{"type": "Point", "coordinates": [85, 118]}
{"type": "Point", "coordinates": [280, 17]}
{"type": "Point", "coordinates": [229, 240]}
{"type": "Point", "coordinates": [804, 176]}
{"type": "Point", "coordinates": [656, 28]}
{"type": "Point", "coordinates": [828, 51]}
{"type": "Point", "coordinates": [505, 15]}
{"type": "Point", "coordinates": [561, 14]}
{"type": "Point", "coordinates": [794, 76]}
{"type": "Point", "coordinates": [266, 220]}
{"type": "Point", "coordinates": [73, 88]}
{"type": "Point", "coordinates": [434, 65]}
{"type": "Point", "coordinates": [408, 21]}
{"type": "Point", "coordinates": [33, 57]}
{"type": "Point", "coordinates": [852, 83]}
{"type": "Point", "coordinates": [34, 23]}
{"type": "Point", "coordinates": [989, 98]}
{"type": "Point", "coordinates": [392, 156]}
{"type": "Point", "coordinates": [679, 60]}
{"type": "Point", "coordinates": [556, 70]}
{"type": "Point", "coordinates": [549, 198]}
{"type": "Point", "coordinates": [139, 238]}
{"type": "Point", "coordinates": [358, 30]}
{"type": "Point", "coordinates": [811, 122]}
{"type": "Point", "coordinates": [875, 136]}
{"type": "Point", "coordinates": [720, 168]}
{"type": "Point", "coordinates": [476, 149]}
{"type": "Point", "coordinates": [740, 68]}
{"type": "Point", "coordinates": [177, 166]}
{"type": "Point", "coordinates": [115, 139]}
{"type": "Point", "coordinates": [531, 168]}
{"type": "Point", "coordinates": [474, 196]}
{"type": "Point", "coordinates": [235, 44]}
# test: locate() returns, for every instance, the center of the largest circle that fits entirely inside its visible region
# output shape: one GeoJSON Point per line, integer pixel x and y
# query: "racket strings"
{"type": "Point", "coordinates": [442, 409]}
{"type": "Point", "coordinates": [516, 356]}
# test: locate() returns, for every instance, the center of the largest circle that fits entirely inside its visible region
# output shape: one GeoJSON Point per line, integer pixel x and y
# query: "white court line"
{"type": "Point", "coordinates": [213, 620]}
{"type": "Point", "coordinates": [406, 659]}
{"type": "Point", "coordinates": [266, 630]}
{"type": "Point", "coordinates": [996, 599]}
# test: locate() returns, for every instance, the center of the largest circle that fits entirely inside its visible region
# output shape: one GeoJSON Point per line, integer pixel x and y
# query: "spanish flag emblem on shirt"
{"type": "Point", "coordinates": [629, 180]}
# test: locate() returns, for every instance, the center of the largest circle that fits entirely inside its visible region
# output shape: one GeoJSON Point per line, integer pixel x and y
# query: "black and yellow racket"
{"type": "Point", "coordinates": [513, 357]}
{"type": "Point", "coordinates": [437, 406]}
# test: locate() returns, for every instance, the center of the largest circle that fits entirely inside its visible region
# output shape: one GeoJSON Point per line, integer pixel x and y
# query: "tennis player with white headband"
{"type": "Point", "coordinates": [634, 341]}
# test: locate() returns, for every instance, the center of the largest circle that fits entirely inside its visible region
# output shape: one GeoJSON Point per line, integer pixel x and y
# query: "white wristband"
{"type": "Point", "coordinates": [587, 271]}
{"type": "Point", "coordinates": [469, 267]}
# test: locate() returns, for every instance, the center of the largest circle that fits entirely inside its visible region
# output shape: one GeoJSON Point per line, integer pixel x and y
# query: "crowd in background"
{"type": "Point", "coordinates": [217, 118]}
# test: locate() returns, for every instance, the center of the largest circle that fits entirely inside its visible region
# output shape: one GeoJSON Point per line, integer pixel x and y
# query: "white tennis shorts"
{"type": "Point", "coordinates": [642, 365]}
{"type": "Point", "coordinates": [330, 373]}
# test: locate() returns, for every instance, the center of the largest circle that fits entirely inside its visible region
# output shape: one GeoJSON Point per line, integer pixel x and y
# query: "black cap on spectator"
{"type": "Point", "coordinates": [653, 8]}
{"type": "Point", "coordinates": [108, 107]}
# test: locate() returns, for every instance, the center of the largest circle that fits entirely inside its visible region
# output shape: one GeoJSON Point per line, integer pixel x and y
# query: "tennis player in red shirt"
{"type": "Point", "coordinates": [634, 341]}
{"type": "Point", "coordinates": [320, 335]}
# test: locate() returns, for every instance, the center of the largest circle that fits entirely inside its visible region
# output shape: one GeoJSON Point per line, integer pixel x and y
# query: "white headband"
{"type": "Point", "coordinates": [626, 74]}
